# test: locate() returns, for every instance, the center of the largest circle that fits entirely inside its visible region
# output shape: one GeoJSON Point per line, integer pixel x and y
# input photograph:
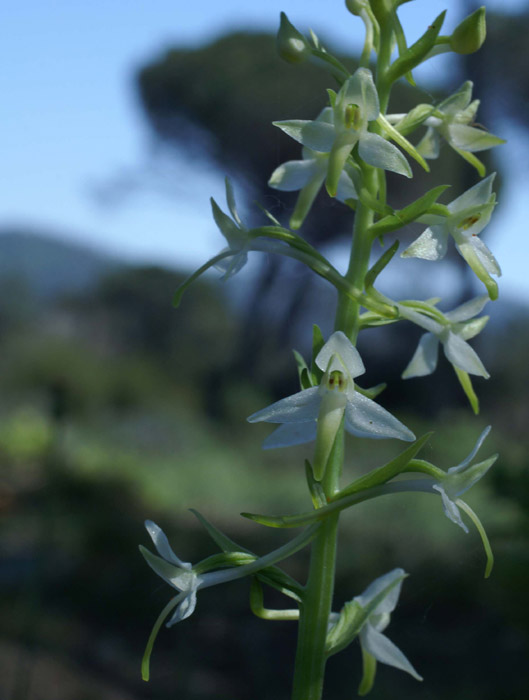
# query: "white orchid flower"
{"type": "Point", "coordinates": [461, 478]}
{"type": "Point", "coordinates": [372, 639]}
{"type": "Point", "coordinates": [469, 214]}
{"type": "Point", "coordinates": [335, 396]}
{"type": "Point", "coordinates": [355, 105]}
{"type": "Point", "coordinates": [174, 571]}
{"type": "Point", "coordinates": [184, 577]}
{"type": "Point", "coordinates": [308, 175]}
{"type": "Point", "coordinates": [452, 122]}
{"type": "Point", "coordinates": [240, 242]}
{"type": "Point", "coordinates": [453, 336]}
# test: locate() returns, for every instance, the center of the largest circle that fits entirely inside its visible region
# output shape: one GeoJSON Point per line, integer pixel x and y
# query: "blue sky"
{"type": "Point", "coordinates": [71, 120]}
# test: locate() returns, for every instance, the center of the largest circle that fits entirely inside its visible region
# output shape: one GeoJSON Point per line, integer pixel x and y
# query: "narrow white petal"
{"type": "Point", "coordinates": [383, 649]}
{"type": "Point", "coordinates": [230, 266]}
{"type": "Point", "coordinates": [295, 174]}
{"type": "Point", "coordinates": [291, 434]}
{"type": "Point", "coordinates": [181, 579]}
{"type": "Point", "coordinates": [376, 151]}
{"type": "Point", "coordinates": [231, 232]}
{"type": "Point", "coordinates": [462, 465]}
{"type": "Point", "coordinates": [377, 586]}
{"type": "Point", "coordinates": [424, 360]}
{"type": "Point", "coordinates": [456, 484]}
{"type": "Point", "coordinates": [326, 115]}
{"type": "Point", "coordinates": [460, 354]}
{"type": "Point", "coordinates": [162, 545]}
{"type": "Point", "coordinates": [430, 144]}
{"type": "Point", "coordinates": [431, 245]}
{"type": "Point", "coordinates": [469, 309]}
{"type": "Point", "coordinates": [476, 196]}
{"type": "Point", "coordinates": [185, 608]}
{"type": "Point", "coordinates": [298, 408]}
{"type": "Point", "coordinates": [230, 199]}
{"type": "Point", "coordinates": [339, 346]}
{"type": "Point", "coordinates": [450, 508]}
{"type": "Point", "coordinates": [317, 135]}
{"type": "Point", "coordinates": [365, 418]}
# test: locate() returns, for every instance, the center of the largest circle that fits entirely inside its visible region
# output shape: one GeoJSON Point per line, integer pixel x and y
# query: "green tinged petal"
{"type": "Point", "coordinates": [317, 135]}
{"type": "Point", "coordinates": [471, 139]}
{"type": "Point", "coordinates": [376, 151]}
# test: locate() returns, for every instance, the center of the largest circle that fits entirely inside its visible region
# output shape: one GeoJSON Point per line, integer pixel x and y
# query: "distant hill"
{"type": "Point", "coordinates": [49, 266]}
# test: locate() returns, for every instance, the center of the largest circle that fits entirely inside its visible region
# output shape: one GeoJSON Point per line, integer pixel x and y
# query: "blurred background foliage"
{"type": "Point", "coordinates": [115, 408]}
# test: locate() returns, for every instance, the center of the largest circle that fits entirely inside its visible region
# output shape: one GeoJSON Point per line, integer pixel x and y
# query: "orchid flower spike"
{"type": "Point", "coordinates": [460, 479]}
{"type": "Point", "coordinates": [452, 122]}
{"type": "Point", "coordinates": [461, 326]}
{"type": "Point", "coordinates": [374, 643]}
{"type": "Point", "coordinates": [308, 175]}
{"type": "Point", "coordinates": [344, 126]}
{"type": "Point", "coordinates": [335, 397]}
{"type": "Point", "coordinates": [468, 216]}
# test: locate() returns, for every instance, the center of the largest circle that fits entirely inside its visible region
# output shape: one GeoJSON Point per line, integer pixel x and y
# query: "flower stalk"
{"type": "Point", "coordinates": [347, 150]}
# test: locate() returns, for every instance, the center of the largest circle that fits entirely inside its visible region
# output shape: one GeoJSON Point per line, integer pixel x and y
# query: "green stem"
{"type": "Point", "coordinates": [314, 615]}
{"type": "Point", "coordinates": [348, 311]}
{"type": "Point", "coordinates": [317, 602]}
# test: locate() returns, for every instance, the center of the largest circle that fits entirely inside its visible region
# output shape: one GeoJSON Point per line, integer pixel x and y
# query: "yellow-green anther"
{"type": "Point", "coordinates": [470, 34]}
{"type": "Point", "coordinates": [336, 380]}
{"type": "Point", "coordinates": [469, 221]}
{"type": "Point", "coordinates": [291, 44]}
{"type": "Point", "coordinates": [353, 116]}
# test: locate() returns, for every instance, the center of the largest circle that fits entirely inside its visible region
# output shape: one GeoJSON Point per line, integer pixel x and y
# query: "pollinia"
{"type": "Point", "coordinates": [347, 149]}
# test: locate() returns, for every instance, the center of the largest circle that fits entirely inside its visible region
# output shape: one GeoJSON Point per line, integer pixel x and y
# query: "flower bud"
{"type": "Point", "coordinates": [414, 118]}
{"type": "Point", "coordinates": [356, 6]}
{"type": "Point", "coordinates": [470, 34]}
{"type": "Point", "coordinates": [291, 44]}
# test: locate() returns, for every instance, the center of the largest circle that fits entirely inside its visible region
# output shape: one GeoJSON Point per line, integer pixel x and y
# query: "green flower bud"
{"type": "Point", "coordinates": [470, 34]}
{"type": "Point", "coordinates": [291, 44]}
{"type": "Point", "coordinates": [414, 118]}
{"type": "Point", "coordinates": [356, 6]}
